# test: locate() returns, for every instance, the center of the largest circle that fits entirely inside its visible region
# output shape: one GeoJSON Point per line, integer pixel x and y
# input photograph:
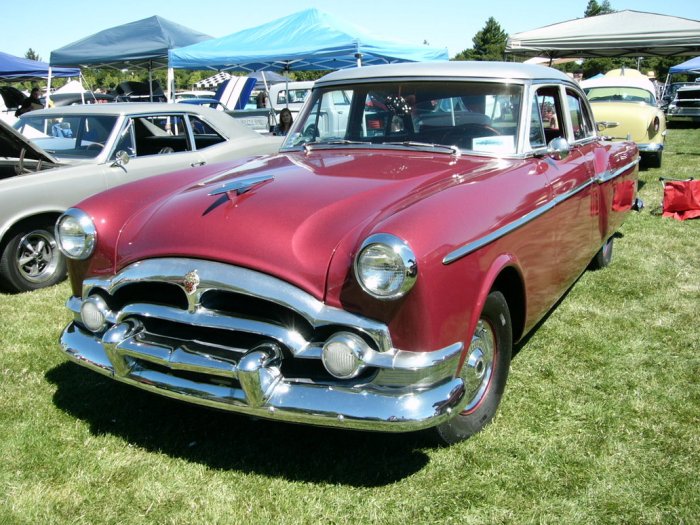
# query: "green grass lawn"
{"type": "Point", "coordinates": [600, 422]}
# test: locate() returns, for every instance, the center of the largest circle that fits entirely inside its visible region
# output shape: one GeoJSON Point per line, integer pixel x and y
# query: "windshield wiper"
{"type": "Point", "coordinates": [453, 150]}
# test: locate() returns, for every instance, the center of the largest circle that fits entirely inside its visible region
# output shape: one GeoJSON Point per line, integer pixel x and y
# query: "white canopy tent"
{"type": "Point", "coordinates": [620, 34]}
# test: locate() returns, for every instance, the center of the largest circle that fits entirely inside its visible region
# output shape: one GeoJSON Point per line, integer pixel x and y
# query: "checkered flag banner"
{"type": "Point", "coordinates": [213, 81]}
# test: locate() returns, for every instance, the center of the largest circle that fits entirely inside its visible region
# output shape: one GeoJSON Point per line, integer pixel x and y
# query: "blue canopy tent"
{"type": "Point", "coordinates": [689, 66]}
{"type": "Point", "coordinates": [16, 68]}
{"type": "Point", "coordinates": [140, 44]}
{"type": "Point", "coordinates": [304, 41]}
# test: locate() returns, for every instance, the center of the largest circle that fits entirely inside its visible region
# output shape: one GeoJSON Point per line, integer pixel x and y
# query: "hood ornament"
{"type": "Point", "coordinates": [191, 282]}
{"type": "Point", "coordinates": [241, 186]}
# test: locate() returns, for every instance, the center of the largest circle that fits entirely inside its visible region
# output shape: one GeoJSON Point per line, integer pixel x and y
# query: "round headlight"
{"type": "Point", "coordinates": [385, 266]}
{"type": "Point", "coordinates": [76, 234]}
{"type": "Point", "coordinates": [342, 355]}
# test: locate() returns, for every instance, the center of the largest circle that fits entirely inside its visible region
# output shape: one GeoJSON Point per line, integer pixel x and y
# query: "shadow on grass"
{"type": "Point", "coordinates": [232, 442]}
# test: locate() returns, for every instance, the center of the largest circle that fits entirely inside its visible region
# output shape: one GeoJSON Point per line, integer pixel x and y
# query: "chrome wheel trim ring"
{"type": "Point", "coordinates": [36, 258]}
{"type": "Point", "coordinates": [477, 369]}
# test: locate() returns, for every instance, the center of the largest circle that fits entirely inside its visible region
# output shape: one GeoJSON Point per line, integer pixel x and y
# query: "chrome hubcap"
{"type": "Point", "coordinates": [37, 257]}
{"type": "Point", "coordinates": [478, 365]}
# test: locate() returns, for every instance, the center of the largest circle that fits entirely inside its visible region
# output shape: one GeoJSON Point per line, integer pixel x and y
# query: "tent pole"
{"type": "Point", "coordinates": [48, 89]}
{"type": "Point", "coordinates": [150, 80]}
{"type": "Point", "coordinates": [170, 91]}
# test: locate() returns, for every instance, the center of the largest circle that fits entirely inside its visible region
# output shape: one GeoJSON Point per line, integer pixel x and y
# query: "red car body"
{"type": "Point", "coordinates": [507, 232]}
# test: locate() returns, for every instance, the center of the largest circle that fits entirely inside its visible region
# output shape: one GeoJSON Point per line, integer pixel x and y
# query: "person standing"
{"type": "Point", "coordinates": [285, 122]}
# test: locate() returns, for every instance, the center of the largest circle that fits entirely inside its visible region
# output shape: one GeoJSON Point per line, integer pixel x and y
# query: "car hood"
{"type": "Point", "coordinates": [14, 145]}
{"type": "Point", "coordinates": [286, 215]}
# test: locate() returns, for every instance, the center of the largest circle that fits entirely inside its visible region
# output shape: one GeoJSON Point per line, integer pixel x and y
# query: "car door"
{"type": "Point", "coordinates": [571, 181]}
{"type": "Point", "coordinates": [155, 144]}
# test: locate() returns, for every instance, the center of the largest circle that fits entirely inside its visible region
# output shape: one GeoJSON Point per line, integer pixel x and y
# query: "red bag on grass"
{"type": "Point", "coordinates": [681, 199]}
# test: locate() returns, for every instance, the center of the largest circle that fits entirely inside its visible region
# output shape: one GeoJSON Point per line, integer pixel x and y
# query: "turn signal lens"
{"type": "Point", "coordinates": [342, 355]}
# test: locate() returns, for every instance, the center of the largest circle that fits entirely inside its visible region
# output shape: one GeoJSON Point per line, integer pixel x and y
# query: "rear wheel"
{"type": "Point", "coordinates": [31, 260]}
{"type": "Point", "coordinates": [485, 371]}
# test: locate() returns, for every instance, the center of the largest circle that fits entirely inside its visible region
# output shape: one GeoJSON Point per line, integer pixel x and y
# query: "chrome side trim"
{"type": "Point", "coordinates": [468, 248]}
{"type": "Point", "coordinates": [610, 175]}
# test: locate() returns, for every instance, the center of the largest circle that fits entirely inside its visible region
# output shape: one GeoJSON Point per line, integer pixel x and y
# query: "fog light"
{"type": "Point", "coordinates": [93, 313]}
{"type": "Point", "coordinates": [342, 355]}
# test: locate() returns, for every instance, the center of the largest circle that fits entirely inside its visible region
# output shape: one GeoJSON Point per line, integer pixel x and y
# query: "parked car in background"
{"type": "Point", "coordinates": [134, 91]}
{"type": "Point", "coordinates": [684, 103]}
{"type": "Point", "coordinates": [181, 95]}
{"type": "Point", "coordinates": [371, 277]}
{"type": "Point", "coordinates": [627, 107]}
{"type": "Point", "coordinates": [289, 95]}
{"type": "Point", "coordinates": [206, 102]}
{"type": "Point", "coordinates": [71, 99]}
{"type": "Point", "coordinates": [90, 148]}
{"type": "Point", "coordinates": [11, 99]}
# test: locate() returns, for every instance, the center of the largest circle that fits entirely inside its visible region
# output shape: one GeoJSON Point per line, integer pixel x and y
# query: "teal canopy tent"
{"type": "Point", "coordinates": [141, 44]}
{"type": "Point", "coordinates": [307, 40]}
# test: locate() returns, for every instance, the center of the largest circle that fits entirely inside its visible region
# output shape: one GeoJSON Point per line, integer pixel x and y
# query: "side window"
{"type": "Point", "coordinates": [160, 134]}
{"type": "Point", "coordinates": [581, 121]}
{"type": "Point", "coordinates": [537, 139]}
{"type": "Point", "coordinates": [547, 112]}
{"type": "Point", "coordinates": [126, 141]}
{"type": "Point", "coordinates": [204, 134]}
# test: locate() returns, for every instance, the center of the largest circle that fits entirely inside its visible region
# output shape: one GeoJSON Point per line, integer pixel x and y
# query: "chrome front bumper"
{"type": "Point", "coordinates": [264, 393]}
{"type": "Point", "coordinates": [401, 391]}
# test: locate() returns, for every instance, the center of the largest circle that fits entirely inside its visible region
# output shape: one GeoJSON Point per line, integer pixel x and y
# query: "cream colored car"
{"type": "Point", "coordinates": [626, 107]}
{"type": "Point", "coordinates": [75, 151]}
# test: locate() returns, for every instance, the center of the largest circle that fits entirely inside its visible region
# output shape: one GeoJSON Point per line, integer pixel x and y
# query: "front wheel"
{"type": "Point", "coordinates": [31, 260]}
{"type": "Point", "coordinates": [485, 371]}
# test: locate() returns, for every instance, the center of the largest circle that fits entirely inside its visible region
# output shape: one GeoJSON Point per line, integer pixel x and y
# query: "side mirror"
{"type": "Point", "coordinates": [603, 125]}
{"type": "Point", "coordinates": [558, 148]}
{"type": "Point", "coordinates": [121, 159]}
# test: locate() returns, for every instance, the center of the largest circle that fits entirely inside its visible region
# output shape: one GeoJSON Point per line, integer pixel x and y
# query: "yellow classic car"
{"type": "Point", "coordinates": [625, 106]}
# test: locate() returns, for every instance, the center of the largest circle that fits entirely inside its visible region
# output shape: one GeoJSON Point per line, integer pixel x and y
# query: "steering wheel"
{"type": "Point", "coordinates": [311, 131]}
{"type": "Point", "coordinates": [95, 145]}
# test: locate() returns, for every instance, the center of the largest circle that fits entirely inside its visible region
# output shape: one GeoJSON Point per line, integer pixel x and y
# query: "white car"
{"type": "Point", "coordinates": [76, 151]}
{"type": "Point", "coordinates": [290, 95]}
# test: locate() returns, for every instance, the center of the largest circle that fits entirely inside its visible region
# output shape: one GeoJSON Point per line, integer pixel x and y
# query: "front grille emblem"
{"type": "Point", "coordinates": [191, 282]}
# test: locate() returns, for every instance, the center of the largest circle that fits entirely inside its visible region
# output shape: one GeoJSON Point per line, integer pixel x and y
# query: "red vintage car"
{"type": "Point", "coordinates": [418, 220]}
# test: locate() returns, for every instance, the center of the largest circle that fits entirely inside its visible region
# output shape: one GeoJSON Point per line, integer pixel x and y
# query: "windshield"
{"type": "Point", "coordinates": [68, 136]}
{"type": "Point", "coordinates": [620, 94]}
{"type": "Point", "coordinates": [475, 116]}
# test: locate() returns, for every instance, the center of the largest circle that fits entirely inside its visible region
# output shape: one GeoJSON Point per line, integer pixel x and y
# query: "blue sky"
{"type": "Point", "coordinates": [45, 25]}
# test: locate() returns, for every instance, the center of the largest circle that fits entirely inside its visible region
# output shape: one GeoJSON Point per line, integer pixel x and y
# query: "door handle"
{"type": "Point", "coordinates": [198, 163]}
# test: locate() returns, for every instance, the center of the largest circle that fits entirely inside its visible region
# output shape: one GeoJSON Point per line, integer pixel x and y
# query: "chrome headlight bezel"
{"type": "Point", "coordinates": [76, 234]}
{"type": "Point", "coordinates": [385, 267]}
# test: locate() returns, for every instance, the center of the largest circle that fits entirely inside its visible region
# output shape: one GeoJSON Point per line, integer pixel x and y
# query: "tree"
{"type": "Point", "coordinates": [32, 55]}
{"type": "Point", "coordinates": [489, 43]}
{"type": "Point", "coordinates": [594, 8]}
